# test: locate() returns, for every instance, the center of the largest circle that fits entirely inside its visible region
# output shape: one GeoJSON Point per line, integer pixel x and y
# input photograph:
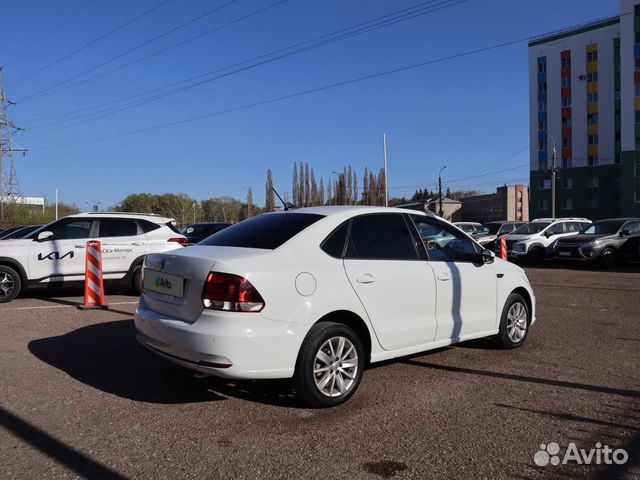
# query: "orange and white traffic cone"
{"type": "Point", "coordinates": [93, 283]}
{"type": "Point", "coordinates": [503, 248]}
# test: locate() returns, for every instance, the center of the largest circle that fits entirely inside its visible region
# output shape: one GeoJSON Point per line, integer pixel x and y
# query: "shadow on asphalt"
{"type": "Point", "coordinates": [107, 356]}
{"type": "Point", "coordinates": [74, 460]}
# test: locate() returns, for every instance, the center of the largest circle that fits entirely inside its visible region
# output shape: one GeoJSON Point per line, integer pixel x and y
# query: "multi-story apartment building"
{"type": "Point", "coordinates": [510, 202]}
{"type": "Point", "coordinates": [585, 105]}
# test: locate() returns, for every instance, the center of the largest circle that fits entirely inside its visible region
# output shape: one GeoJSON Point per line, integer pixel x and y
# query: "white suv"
{"type": "Point", "coordinates": [535, 240]}
{"type": "Point", "coordinates": [55, 253]}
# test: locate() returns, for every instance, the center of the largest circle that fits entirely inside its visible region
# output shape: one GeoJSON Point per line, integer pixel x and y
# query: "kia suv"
{"type": "Point", "coordinates": [55, 253]}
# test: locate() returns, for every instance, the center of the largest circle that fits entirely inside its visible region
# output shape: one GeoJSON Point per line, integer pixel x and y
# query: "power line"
{"type": "Point", "coordinates": [405, 16]}
{"type": "Point", "coordinates": [137, 47]}
{"type": "Point", "coordinates": [50, 32]}
{"type": "Point", "coordinates": [92, 42]}
{"type": "Point", "coordinates": [292, 95]}
{"type": "Point", "coordinates": [326, 41]}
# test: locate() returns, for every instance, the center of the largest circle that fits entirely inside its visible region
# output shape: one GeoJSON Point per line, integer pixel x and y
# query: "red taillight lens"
{"type": "Point", "coordinates": [232, 293]}
{"type": "Point", "coordinates": [181, 240]}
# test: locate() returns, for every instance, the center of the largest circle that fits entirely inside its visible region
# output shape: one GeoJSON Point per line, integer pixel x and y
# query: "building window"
{"type": "Point", "coordinates": [617, 157]}
{"type": "Point", "coordinates": [637, 169]}
{"type": "Point", "coordinates": [542, 106]}
{"type": "Point", "coordinates": [565, 61]}
{"type": "Point", "coordinates": [566, 162]}
{"type": "Point", "coordinates": [592, 118]}
{"type": "Point", "coordinates": [592, 56]}
{"type": "Point", "coordinates": [544, 203]}
{"type": "Point", "coordinates": [567, 183]}
{"type": "Point", "coordinates": [566, 122]}
{"type": "Point", "coordinates": [593, 182]}
{"type": "Point", "coordinates": [637, 144]}
{"type": "Point", "coordinates": [542, 146]}
{"type": "Point", "coordinates": [566, 82]}
{"type": "Point", "coordinates": [542, 86]}
{"type": "Point", "coordinates": [542, 67]}
{"type": "Point", "coordinates": [637, 90]}
{"type": "Point", "coordinates": [545, 184]}
{"type": "Point", "coordinates": [637, 37]}
{"type": "Point", "coordinates": [592, 202]}
{"type": "Point", "coordinates": [542, 125]}
{"type": "Point", "coordinates": [592, 97]}
{"type": "Point", "coordinates": [593, 139]}
{"type": "Point", "coordinates": [592, 160]}
{"type": "Point", "coordinates": [566, 101]}
{"type": "Point", "coordinates": [542, 165]}
{"type": "Point", "coordinates": [637, 62]}
{"type": "Point", "coordinates": [637, 199]}
{"type": "Point", "coordinates": [592, 77]}
{"type": "Point", "coordinates": [566, 142]}
{"type": "Point", "coordinates": [567, 203]}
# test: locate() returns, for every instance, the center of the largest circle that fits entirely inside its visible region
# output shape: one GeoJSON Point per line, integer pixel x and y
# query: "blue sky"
{"type": "Point", "coordinates": [468, 113]}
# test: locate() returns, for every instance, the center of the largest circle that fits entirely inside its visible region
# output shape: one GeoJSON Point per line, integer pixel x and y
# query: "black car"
{"type": "Point", "coordinates": [608, 241]}
{"type": "Point", "coordinates": [491, 231]}
{"type": "Point", "coordinates": [18, 232]}
{"type": "Point", "coordinates": [200, 231]}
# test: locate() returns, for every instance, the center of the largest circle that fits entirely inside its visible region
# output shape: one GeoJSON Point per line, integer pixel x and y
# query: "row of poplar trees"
{"type": "Point", "coordinates": [340, 189]}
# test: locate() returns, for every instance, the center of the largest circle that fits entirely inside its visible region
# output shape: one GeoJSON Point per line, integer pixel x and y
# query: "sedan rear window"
{"type": "Point", "coordinates": [267, 231]}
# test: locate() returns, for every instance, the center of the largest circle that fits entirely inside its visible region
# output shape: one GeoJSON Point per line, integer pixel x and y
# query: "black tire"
{"type": "Point", "coordinates": [505, 338]}
{"type": "Point", "coordinates": [136, 279]}
{"type": "Point", "coordinates": [536, 255]}
{"type": "Point", "coordinates": [304, 378]}
{"type": "Point", "coordinates": [608, 258]}
{"type": "Point", "coordinates": [10, 284]}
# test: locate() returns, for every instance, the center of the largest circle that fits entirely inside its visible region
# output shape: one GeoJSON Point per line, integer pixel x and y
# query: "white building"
{"type": "Point", "coordinates": [584, 95]}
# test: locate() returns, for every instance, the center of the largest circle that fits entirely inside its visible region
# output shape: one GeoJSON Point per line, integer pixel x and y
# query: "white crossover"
{"type": "Point", "coordinates": [536, 240]}
{"type": "Point", "coordinates": [55, 253]}
{"type": "Point", "coordinates": [316, 294]}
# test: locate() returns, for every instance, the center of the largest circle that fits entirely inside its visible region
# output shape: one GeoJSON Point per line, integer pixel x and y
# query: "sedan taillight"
{"type": "Point", "coordinates": [181, 240]}
{"type": "Point", "coordinates": [232, 293]}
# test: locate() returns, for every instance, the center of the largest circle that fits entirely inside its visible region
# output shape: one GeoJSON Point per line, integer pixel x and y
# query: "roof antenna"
{"type": "Point", "coordinates": [286, 205]}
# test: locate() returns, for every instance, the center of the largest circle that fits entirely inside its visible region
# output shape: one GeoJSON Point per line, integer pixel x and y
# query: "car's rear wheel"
{"type": "Point", "coordinates": [515, 322]}
{"type": "Point", "coordinates": [329, 366]}
{"type": "Point", "coordinates": [608, 257]}
{"type": "Point", "coordinates": [536, 255]}
{"type": "Point", "coordinates": [136, 279]}
{"type": "Point", "coordinates": [10, 284]}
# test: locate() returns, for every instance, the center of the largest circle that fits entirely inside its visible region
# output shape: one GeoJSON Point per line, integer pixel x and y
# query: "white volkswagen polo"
{"type": "Point", "coordinates": [316, 294]}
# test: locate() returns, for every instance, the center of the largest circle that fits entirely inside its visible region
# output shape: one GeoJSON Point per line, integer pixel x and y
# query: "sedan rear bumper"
{"type": "Point", "coordinates": [225, 344]}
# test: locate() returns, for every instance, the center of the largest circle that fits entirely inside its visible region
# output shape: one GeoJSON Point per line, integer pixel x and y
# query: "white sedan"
{"type": "Point", "coordinates": [316, 294]}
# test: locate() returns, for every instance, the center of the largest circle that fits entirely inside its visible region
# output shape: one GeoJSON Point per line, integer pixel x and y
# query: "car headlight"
{"type": "Point", "coordinates": [588, 244]}
{"type": "Point", "coordinates": [520, 247]}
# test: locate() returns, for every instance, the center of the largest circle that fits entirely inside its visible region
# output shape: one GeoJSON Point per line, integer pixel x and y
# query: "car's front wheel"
{"type": "Point", "coordinates": [329, 366]}
{"type": "Point", "coordinates": [10, 284]}
{"type": "Point", "coordinates": [608, 258]}
{"type": "Point", "coordinates": [515, 322]}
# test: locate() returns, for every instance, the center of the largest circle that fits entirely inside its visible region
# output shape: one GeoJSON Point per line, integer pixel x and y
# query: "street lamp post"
{"type": "Point", "coordinates": [553, 176]}
{"type": "Point", "coordinates": [440, 189]}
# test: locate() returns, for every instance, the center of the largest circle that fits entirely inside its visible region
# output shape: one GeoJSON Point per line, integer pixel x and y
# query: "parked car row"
{"type": "Point", "coordinates": [607, 241]}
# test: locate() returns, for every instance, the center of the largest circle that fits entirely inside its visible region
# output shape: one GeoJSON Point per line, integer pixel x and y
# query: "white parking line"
{"type": "Point", "coordinates": [65, 306]}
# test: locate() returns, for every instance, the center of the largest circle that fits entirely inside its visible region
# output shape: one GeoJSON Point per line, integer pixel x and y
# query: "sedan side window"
{"type": "Point", "coordinates": [633, 227]}
{"type": "Point", "coordinates": [380, 237]}
{"type": "Point", "coordinates": [444, 243]}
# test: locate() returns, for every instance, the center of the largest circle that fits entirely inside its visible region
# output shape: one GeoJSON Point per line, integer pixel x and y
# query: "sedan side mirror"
{"type": "Point", "coordinates": [625, 233]}
{"type": "Point", "coordinates": [44, 236]}
{"type": "Point", "coordinates": [488, 256]}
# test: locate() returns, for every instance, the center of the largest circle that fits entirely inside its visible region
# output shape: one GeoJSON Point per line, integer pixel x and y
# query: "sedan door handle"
{"type": "Point", "coordinates": [79, 246]}
{"type": "Point", "coordinates": [443, 276]}
{"type": "Point", "coordinates": [138, 243]}
{"type": "Point", "coordinates": [366, 278]}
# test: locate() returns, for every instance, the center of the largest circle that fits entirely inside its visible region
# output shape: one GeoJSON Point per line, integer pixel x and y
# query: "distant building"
{"type": "Point", "coordinates": [584, 85]}
{"type": "Point", "coordinates": [508, 203]}
{"type": "Point", "coordinates": [449, 206]}
{"type": "Point", "coordinates": [34, 202]}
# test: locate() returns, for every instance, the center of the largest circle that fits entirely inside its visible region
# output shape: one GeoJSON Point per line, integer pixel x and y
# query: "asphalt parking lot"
{"type": "Point", "coordinates": [80, 398]}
